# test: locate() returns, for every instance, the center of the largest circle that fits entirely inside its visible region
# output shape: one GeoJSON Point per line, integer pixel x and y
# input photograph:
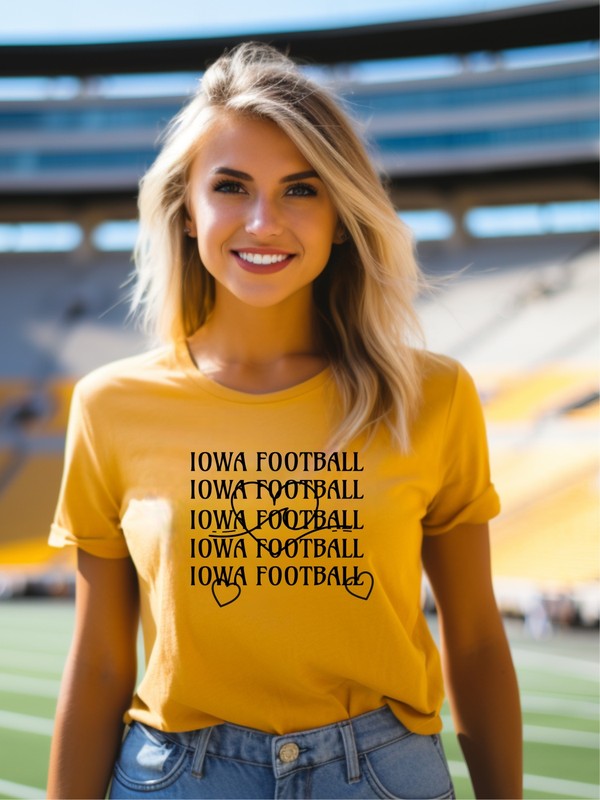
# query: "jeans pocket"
{"type": "Point", "coordinates": [412, 767]}
{"type": "Point", "coordinates": [149, 760]}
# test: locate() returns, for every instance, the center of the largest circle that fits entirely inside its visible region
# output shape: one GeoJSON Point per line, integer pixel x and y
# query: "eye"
{"type": "Point", "coordinates": [229, 187]}
{"type": "Point", "coordinates": [301, 190]}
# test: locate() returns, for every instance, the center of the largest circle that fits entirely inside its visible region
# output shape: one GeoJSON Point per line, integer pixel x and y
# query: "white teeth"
{"type": "Point", "coordinates": [263, 258]}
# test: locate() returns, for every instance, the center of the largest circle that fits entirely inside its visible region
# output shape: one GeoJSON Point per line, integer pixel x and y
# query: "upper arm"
{"type": "Point", "coordinates": [107, 613]}
{"type": "Point", "coordinates": [459, 570]}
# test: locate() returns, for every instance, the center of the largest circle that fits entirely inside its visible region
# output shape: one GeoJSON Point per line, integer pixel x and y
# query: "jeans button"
{"type": "Point", "coordinates": [289, 752]}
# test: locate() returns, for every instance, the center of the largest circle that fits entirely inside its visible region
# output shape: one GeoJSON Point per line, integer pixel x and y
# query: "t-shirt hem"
{"type": "Point", "coordinates": [420, 725]}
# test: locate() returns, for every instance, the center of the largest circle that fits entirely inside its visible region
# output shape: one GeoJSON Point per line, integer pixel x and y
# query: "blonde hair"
{"type": "Point", "coordinates": [364, 297]}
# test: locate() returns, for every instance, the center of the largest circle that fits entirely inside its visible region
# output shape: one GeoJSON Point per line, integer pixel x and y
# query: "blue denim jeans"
{"type": "Point", "coordinates": [372, 755]}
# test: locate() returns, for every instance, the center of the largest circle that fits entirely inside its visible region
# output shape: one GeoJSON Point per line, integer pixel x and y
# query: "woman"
{"type": "Point", "coordinates": [266, 485]}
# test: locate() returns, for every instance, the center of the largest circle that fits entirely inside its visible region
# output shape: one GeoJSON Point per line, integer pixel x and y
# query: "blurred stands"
{"type": "Point", "coordinates": [524, 318]}
{"type": "Point", "coordinates": [61, 318]}
{"type": "Point", "coordinates": [493, 115]}
{"type": "Point", "coordinates": [25, 502]}
{"type": "Point", "coordinates": [540, 392]}
{"type": "Point", "coordinates": [533, 129]}
{"type": "Point", "coordinates": [506, 126]}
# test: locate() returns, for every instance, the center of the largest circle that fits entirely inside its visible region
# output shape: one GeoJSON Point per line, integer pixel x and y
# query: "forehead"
{"type": "Point", "coordinates": [238, 141]}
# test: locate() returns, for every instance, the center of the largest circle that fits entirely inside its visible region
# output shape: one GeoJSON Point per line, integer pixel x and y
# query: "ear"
{"type": "Point", "coordinates": [341, 235]}
{"type": "Point", "coordinates": [189, 228]}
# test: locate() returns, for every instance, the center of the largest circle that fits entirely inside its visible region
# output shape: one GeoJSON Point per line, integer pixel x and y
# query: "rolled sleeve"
{"type": "Point", "coordinates": [465, 491]}
{"type": "Point", "coordinates": [87, 513]}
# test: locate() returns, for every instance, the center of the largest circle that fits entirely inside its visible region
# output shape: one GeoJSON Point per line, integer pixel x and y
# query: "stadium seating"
{"type": "Point", "coordinates": [27, 504]}
{"type": "Point", "coordinates": [542, 411]}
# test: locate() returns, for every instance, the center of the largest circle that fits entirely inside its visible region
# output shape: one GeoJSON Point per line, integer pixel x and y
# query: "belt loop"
{"type": "Point", "coordinates": [352, 763]}
{"type": "Point", "coordinates": [200, 752]}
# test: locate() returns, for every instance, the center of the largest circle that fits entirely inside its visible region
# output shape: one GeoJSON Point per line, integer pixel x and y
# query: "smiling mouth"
{"type": "Point", "coordinates": [263, 258]}
{"type": "Point", "coordinates": [262, 263]}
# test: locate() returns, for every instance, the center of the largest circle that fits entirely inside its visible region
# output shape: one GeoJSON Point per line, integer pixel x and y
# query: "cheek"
{"type": "Point", "coordinates": [214, 226]}
{"type": "Point", "coordinates": [215, 212]}
{"type": "Point", "coordinates": [324, 235]}
{"type": "Point", "coordinates": [329, 223]}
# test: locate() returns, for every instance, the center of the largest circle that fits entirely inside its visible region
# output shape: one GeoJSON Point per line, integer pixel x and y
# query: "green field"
{"type": "Point", "coordinates": [559, 681]}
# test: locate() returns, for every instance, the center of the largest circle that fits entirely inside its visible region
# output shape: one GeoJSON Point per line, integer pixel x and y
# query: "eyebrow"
{"type": "Point", "coordinates": [236, 173]}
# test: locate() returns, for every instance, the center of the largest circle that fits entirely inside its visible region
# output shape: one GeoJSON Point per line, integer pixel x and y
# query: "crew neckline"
{"type": "Point", "coordinates": [185, 360]}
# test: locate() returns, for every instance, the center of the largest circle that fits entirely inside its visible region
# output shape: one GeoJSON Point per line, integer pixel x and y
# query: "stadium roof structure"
{"type": "Point", "coordinates": [498, 134]}
{"type": "Point", "coordinates": [521, 26]}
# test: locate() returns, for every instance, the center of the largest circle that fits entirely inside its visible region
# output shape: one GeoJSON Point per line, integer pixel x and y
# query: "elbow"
{"type": "Point", "coordinates": [104, 675]}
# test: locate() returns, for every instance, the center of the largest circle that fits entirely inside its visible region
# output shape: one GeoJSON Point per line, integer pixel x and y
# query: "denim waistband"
{"type": "Point", "coordinates": [291, 751]}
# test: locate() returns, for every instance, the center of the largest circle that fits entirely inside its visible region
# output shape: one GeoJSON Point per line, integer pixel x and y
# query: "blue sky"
{"type": "Point", "coordinates": [36, 21]}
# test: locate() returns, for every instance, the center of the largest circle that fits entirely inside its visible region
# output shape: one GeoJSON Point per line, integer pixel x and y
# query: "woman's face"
{"type": "Point", "coordinates": [264, 221]}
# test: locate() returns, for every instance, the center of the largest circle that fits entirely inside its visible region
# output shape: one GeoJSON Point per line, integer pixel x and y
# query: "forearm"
{"type": "Point", "coordinates": [484, 697]}
{"type": "Point", "coordinates": [88, 730]}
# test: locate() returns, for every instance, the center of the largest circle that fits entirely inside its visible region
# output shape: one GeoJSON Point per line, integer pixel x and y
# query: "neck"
{"type": "Point", "coordinates": [259, 349]}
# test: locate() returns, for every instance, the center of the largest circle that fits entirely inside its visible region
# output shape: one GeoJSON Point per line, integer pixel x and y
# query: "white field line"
{"type": "Point", "coordinates": [531, 733]}
{"type": "Point", "coordinates": [557, 665]}
{"type": "Point", "coordinates": [41, 663]}
{"type": "Point", "coordinates": [565, 737]}
{"type": "Point", "coordinates": [541, 783]}
{"type": "Point", "coordinates": [50, 644]}
{"type": "Point", "coordinates": [10, 720]}
{"type": "Point", "coordinates": [538, 783]}
{"type": "Point", "coordinates": [24, 684]}
{"type": "Point", "coordinates": [18, 790]}
{"type": "Point", "coordinates": [45, 627]}
{"type": "Point", "coordinates": [39, 725]}
{"type": "Point", "coordinates": [560, 706]}
{"type": "Point", "coordinates": [562, 736]}
{"type": "Point", "coordinates": [48, 687]}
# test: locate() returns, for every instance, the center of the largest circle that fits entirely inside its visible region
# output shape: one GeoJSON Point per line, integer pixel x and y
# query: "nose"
{"type": "Point", "coordinates": [264, 218]}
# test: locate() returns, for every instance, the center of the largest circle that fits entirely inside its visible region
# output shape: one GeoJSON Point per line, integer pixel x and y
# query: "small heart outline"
{"type": "Point", "coordinates": [358, 594]}
{"type": "Point", "coordinates": [216, 590]}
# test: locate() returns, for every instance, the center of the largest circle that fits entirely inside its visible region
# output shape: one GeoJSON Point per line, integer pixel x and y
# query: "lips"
{"type": "Point", "coordinates": [262, 261]}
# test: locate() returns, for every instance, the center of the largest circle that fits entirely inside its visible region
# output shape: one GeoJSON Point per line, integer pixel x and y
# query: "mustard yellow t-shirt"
{"type": "Point", "coordinates": [280, 583]}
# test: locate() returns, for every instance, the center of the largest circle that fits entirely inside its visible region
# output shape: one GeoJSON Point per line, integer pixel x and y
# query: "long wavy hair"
{"type": "Point", "coordinates": [364, 297]}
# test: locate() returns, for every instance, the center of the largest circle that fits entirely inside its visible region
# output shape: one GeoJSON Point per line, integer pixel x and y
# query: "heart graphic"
{"type": "Point", "coordinates": [225, 593]}
{"type": "Point", "coordinates": [266, 506]}
{"type": "Point", "coordinates": [361, 589]}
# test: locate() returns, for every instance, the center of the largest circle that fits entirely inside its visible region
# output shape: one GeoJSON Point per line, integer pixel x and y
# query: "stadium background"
{"type": "Point", "coordinates": [486, 127]}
